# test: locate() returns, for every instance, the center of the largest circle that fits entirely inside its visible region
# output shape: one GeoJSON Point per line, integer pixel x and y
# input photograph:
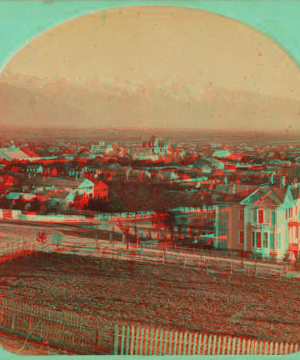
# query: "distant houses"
{"type": "Point", "coordinates": [7, 182]}
{"type": "Point", "coordinates": [34, 169]}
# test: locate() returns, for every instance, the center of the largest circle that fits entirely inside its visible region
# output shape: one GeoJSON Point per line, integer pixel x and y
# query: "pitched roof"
{"type": "Point", "coordinates": [101, 184]}
{"type": "Point", "coordinates": [266, 196]}
{"type": "Point", "coordinates": [221, 153]}
{"type": "Point", "coordinates": [295, 193]}
{"type": "Point", "coordinates": [13, 153]}
{"type": "Point", "coordinates": [57, 182]}
{"type": "Point", "coordinates": [34, 166]}
{"type": "Point", "coordinates": [240, 190]}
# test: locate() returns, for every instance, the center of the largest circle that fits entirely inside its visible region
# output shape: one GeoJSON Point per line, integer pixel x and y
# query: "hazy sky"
{"type": "Point", "coordinates": [185, 54]}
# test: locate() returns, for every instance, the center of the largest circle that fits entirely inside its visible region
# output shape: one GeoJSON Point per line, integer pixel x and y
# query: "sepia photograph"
{"type": "Point", "coordinates": [149, 178]}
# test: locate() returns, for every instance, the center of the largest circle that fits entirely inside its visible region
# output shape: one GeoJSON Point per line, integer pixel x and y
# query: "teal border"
{"type": "Point", "coordinates": [21, 21]}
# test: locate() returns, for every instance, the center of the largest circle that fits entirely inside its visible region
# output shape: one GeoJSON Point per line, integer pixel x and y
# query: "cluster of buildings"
{"type": "Point", "coordinates": [253, 188]}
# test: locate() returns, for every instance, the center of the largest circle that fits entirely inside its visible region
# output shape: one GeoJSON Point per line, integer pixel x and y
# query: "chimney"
{"type": "Point", "coordinates": [233, 189]}
{"type": "Point", "coordinates": [295, 183]}
{"type": "Point", "coordinates": [283, 181]}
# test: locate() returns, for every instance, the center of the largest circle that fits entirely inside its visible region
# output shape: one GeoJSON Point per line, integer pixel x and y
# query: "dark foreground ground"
{"type": "Point", "coordinates": [157, 295]}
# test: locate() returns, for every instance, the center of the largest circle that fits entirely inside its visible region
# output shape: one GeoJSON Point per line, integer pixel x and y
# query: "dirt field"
{"type": "Point", "coordinates": [165, 296]}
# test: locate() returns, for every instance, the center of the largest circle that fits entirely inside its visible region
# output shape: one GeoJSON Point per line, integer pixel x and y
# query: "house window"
{"type": "Point", "coordinates": [253, 239]}
{"type": "Point", "coordinates": [273, 217]}
{"type": "Point", "coordinates": [271, 241]}
{"type": "Point", "coordinates": [241, 237]}
{"type": "Point", "coordinates": [241, 212]}
{"type": "Point", "coordinates": [258, 240]}
{"type": "Point", "coordinates": [260, 216]}
{"type": "Point", "coordinates": [278, 241]}
{"type": "Point", "coordinates": [265, 240]}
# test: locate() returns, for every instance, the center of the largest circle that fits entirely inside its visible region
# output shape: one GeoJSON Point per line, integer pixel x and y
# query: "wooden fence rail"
{"type": "Point", "coordinates": [141, 340]}
{"type": "Point", "coordinates": [191, 261]}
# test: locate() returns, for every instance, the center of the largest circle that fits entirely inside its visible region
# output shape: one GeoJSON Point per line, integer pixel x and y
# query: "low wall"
{"type": "Point", "coordinates": [18, 215]}
{"type": "Point", "coordinates": [62, 218]}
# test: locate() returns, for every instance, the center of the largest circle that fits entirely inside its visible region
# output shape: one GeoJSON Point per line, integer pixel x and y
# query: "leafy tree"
{"type": "Point", "coordinates": [20, 203]}
{"type": "Point", "coordinates": [5, 203]}
{"type": "Point", "coordinates": [36, 205]}
{"type": "Point", "coordinates": [41, 237]}
{"type": "Point", "coordinates": [56, 239]}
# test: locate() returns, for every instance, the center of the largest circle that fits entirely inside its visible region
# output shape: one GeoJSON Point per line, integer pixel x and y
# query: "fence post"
{"type": "Point", "coordinates": [189, 344]}
{"type": "Point", "coordinates": [160, 342]}
{"type": "Point", "coordinates": [204, 345]}
{"type": "Point", "coordinates": [180, 343]}
{"type": "Point", "coordinates": [132, 340]}
{"type": "Point", "coordinates": [239, 346]}
{"type": "Point", "coordinates": [244, 347]}
{"type": "Point", "coordinates": [199, 344]}
{"type": "Point", "coordinates": [224, 345]}
{"type": "Point", "coordinates": [151, 342]}
{"type": "Point", "coordinates": [184, 344]}
{"type": "Point", "coordinates": [281, 348]}
{"type": "Point", "coordinates": [286, 348]}
{"type": "Point", "coordinates": [155, 342]}
{"type": "Point", "coordinates": [141, 342]}
{"type": "Point", "coordinates": [214, 345]}
{"type": "Point", "coordinates": [122, 340]}
{"type": "Point", "coordinates": [137, 338]}
{"type": "Point", "coordinates": [228, 352]}
{"type": "Point", "coordinates": [194, 341]}
{"type": "Point", "coordinates": [175, 345]}
{"type": "Point", "coordinates": [233, 346]}
{"type": "Point", "coordinates": [276, 348]}
{"type": "Point", "coordinates": [146, 342]}
{"type": "Point", "coordinates": [127, 340]}
{"type": "Point", "coordinates": [166, 338]}
{"type": "Point", "coordinates": [171, 338]}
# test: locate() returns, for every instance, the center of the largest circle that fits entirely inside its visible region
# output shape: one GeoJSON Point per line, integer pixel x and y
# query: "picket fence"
{"type": "Point", "coordinates": [62, 328]}
{"type": "Point", "coordinates": [17, 249]}
{"type": "Point", "coordinates": [141, 340]}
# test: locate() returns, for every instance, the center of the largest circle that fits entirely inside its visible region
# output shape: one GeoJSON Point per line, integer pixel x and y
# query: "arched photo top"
{"type": "Point", "coordinates": [158, 66]}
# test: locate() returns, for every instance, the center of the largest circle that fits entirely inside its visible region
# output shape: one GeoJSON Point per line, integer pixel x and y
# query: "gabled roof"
{"type": "Point", "coordinates": [101, 184]}
{"type": "Point", "coordinates": [57, 182]}
{"type": "Point", "coordinates": [34, 166]}
{"type": "Point", "coordinates": [221, 153]}
{"type": "Point", "coordinates": [295, 193]}
{"type": "Point", "coordinates": [266, 196]}
{"type": "Point", "coordinates": [241, 190]}
{"type": "Point", "coordinates": [13, 154]}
